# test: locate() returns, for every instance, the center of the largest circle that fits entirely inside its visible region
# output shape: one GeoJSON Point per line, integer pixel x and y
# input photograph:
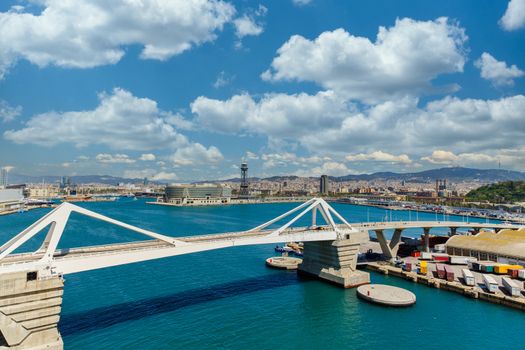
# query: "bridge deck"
{"type": "Point", "coordinates": [156, 247]}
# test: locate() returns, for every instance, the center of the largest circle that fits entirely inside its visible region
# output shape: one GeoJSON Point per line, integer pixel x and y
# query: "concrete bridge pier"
{"type": "Point", "coordinates": [335, 261]}
{"type": "Point", "coordinates": [426, 232]}
{"type": "Point", "coordinates": [389, 248]}
{"type": "Point", "coordinates": [29, 311]}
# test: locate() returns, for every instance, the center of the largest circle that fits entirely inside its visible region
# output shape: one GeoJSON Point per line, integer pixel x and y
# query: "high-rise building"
{"type": "Point", "coordinates": [65, 182]}
{"type": "Point", "coordinates": [3, 177]}
{"type": "Point", "coordinates": [323, 184]}
{"type": "Point", "coordinates": [244, 192]}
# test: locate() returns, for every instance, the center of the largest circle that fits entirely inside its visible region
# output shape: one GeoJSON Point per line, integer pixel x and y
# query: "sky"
{"type": "Point", "coordinates": [183, 90]}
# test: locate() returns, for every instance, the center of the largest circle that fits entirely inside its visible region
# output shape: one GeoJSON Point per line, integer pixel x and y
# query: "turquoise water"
{"type": "Point", "coordinates": [228, 299]}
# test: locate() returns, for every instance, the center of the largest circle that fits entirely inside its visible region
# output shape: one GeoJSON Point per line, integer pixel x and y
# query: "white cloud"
{"type": "Point", "coordinates": [404, 59]}
{"type": "Point", "coordinates": [151, 174]}
{"type": "Point", "coordinates": [449, 158]}
{"type": "Point", "coordinates": [147, 157]}
{"type": "Point", "coordinates": [326, 123]}
{"type": "Point", "coordinates": [301, 2]}
{"type": "Point", "coordinates": [120, 121]}
{"type": "Point", "coordinates": [117, 158]}
{"type": "Point", "coordinates": [327, 168]}
{"type": "Point", "coordinates": [7, 112]}
{"type": "Point", "coordinates": [196, 154]}
{"type": "Point", "coordinates": [89, 33]}
{"type": "Point", "coordinates": [251, 155]}
{"type": "Point", "coordinates": [222, 80]}
{"type": "Point", "coordinates": [379, 156]}
{"type": "Point", "coordinates": [274, 114]}
{"type": "Point", "coordinates": [285, 159]}
{"type": "Point", "coordinates": [497, 72]}
{"type": "Point", "coordinates": [514, 17]}
{"type": "Point", "coordinates": [246, 25]}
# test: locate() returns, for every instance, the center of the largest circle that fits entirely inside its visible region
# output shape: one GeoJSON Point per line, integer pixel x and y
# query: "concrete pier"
{"type": "Point", "coordinates": [29, 311]}
{"type": "Point", "coordinates": [335, 261]}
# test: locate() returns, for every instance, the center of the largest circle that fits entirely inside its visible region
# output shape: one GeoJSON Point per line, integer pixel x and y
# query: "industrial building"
{"type": "Point", "coordinates": [205, 194]}
{"type": "Point", "coordinates": [506, 246]}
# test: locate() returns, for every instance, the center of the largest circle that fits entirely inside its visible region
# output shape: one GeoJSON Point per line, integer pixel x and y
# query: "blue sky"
{"type": "Point", "coordinates": [182, 90]}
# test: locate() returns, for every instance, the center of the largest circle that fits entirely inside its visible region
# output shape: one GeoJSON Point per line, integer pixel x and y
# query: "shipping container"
{"type": "Point", "coordinates": [501, 269]}
{"type": "Point", "coordinates": [415, 254]}
{"type": "Point", "coordinates": [440, 269]}
{"type": "Point", "coordinates": [468, 276]}
{"type": "Point", "coordinates": [439, 248]}
{"type": "Point", "coordinates": [511, 287]}
{"type": "Point", "coordinates": [408, 267]}
{"type": "Point", "coordinates": [423, 263]}
{"type": "Point", "coordinates": [487, 267]}
{"type": "Point", "coordinates": [449, 273]}
{"type": "Point", "coordinates": [521, 274]}
{"type": "Point", "coordinates": [440, 257]}
{"type": "Point", "coordinates": [423, 270]}
{"type": "Point", "coordinates": [475, 266]}
{"type": "Point", "coordinates": [425, 256]}
{"type": "Point", "coordinates": [490, 284]}
{"type": "Point", "coordinates": [513, 273]}
{"type": "Point", "coordinates": [458, 260]}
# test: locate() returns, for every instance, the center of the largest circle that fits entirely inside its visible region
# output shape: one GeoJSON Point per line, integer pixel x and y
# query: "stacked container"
{"type": "Point", "coordinates": [440, 269]}
{"type": "Point", "coordinates": [423, 267]}
{"type": "Point", "coordinates": [449, 273]}
{"type": "Point", "coordinates": [521, 274]}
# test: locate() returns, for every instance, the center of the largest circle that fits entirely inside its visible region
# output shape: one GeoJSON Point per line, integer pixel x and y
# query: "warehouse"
{"type": "Point", "coordinates": [507, 246]}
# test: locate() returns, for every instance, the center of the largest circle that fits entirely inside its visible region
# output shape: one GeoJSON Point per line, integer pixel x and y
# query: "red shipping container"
{"type": "Point", "coordinates": [449, 272]}
{"type": "Point", "coordinates": [513, 273]}
{"type": "Point", "coordinates": [441, 271]}
{"type": "Point", "coordinates": [440, 257]}
{"type": "Point", "coordinates": [416, 254]}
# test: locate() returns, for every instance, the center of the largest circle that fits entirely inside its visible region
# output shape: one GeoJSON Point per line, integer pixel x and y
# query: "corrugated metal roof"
{"type": "Point", "coordinates": [505, 243]}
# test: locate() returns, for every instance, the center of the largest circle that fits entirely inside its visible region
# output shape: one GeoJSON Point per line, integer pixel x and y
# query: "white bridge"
{"type": "Point", "coordinates": [31, 284]}
{"type": "Point", "coordinates": [49, 261]}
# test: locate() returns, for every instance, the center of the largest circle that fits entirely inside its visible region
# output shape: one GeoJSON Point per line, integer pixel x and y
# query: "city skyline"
{"type": "Point", "coordinates": [293, 87]}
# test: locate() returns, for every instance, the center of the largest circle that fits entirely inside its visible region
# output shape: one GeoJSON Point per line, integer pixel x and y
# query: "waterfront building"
{"type": "Point", "coordinates": [505, 246]}
{"type": "Point", "coordinates": [204, 194]}
{"type": "Point", "coordinates": [11, 199]}
{"type": "Point", "coordinates": [323, 184]}
{"type": "Point", "coordinates": [42, 192]}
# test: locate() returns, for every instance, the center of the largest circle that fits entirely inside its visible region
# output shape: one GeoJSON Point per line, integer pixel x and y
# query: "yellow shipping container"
{"type": "Point", "coordinates": [423, 263]}
{"type": "Point", "coordinates": [423, 270]}
{"type": "Point", "coordinates": [502, 269]}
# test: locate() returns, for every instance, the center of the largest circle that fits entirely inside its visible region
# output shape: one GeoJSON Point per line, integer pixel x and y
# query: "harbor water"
{"type": "Point", "coordinates": [229, 299]}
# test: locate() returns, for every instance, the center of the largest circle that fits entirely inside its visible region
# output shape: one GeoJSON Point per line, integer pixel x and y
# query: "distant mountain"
{"type": "Point", "coordinates": [455, 174]}
{"type": "Point", "coordinates": [83, 179]}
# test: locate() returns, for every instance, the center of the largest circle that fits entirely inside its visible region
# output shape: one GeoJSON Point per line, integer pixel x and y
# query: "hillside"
{"type": "Point", "coordinates": [502, 192]}
{"type": "Point", "coordinates": [455, 174]}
